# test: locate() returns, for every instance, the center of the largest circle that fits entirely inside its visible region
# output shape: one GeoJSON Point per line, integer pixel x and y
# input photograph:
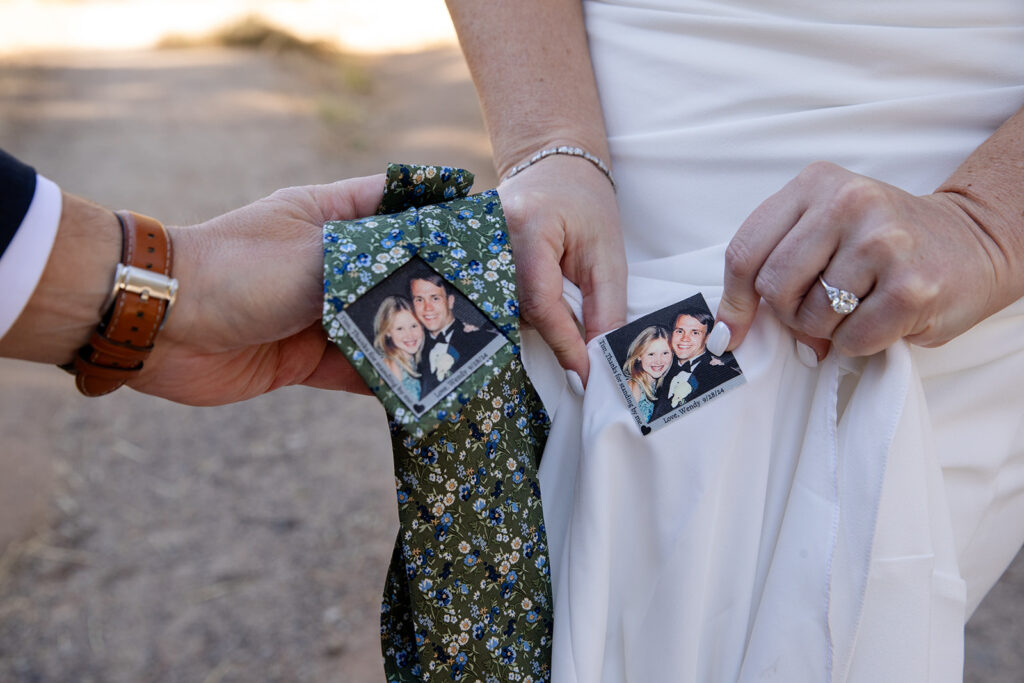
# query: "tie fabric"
{"type": "Point", "coordinates": [467, 595]}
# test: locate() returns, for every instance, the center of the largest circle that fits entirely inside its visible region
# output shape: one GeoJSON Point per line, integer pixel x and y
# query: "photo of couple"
{"type": "Point", "coordinates": [421, 334]}
{"type": "Point", "coordinates": [662, 363]}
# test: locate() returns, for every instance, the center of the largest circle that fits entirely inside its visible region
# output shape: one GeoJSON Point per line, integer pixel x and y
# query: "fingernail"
{"type": "Point", "coordinates": [806, 355]}
{"type": "Point", "coordinates": [575, 383]}
{"type": "Point", "coordinates": [719, 338]}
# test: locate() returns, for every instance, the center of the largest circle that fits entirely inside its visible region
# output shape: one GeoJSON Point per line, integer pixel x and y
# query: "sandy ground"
{"type": "Point", "coordinates": [248, 542]}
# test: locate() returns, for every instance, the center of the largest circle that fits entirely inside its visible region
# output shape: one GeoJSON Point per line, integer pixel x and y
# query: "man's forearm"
{"type": "Point", "coordinates": [531, 66]}
{"type": "Point", "coordinates": [65, 306]}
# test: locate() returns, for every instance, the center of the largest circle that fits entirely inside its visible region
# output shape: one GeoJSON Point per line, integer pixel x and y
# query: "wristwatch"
{"type": "Point", "coordinates": [137, 307]}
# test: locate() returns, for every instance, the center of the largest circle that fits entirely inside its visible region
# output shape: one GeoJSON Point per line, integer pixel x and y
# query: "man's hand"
{"type": "Point", "coordinates": [247, 320]}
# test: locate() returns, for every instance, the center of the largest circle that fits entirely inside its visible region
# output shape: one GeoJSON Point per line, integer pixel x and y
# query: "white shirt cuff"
{"type": "Point", "coordinates": [24, 260]}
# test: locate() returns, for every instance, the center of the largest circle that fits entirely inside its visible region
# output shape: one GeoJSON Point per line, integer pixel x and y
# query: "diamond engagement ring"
{"type": "Point", "coordinates": [843, 302]}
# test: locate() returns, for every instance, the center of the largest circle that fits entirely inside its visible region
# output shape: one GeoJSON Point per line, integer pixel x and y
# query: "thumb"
{"type": "Point", "coordinates": [738, 306]}
{"type": "Point", "coordinates": [348, 199]}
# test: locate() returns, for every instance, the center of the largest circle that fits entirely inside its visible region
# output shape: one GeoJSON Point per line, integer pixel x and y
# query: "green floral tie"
{"type": "Point", "coordinates": [468, 594]}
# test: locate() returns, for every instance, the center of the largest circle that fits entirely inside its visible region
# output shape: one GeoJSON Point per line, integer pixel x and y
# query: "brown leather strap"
{"type": "Point", "coordinates": [124, 339]}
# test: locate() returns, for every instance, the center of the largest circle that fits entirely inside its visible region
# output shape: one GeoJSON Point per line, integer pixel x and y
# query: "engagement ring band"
{"type": "Point", "coordinates": [843, 302]}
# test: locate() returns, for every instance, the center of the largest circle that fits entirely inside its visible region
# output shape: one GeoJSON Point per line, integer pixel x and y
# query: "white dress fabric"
{"type": "Point", "coordinates": [836, 523]}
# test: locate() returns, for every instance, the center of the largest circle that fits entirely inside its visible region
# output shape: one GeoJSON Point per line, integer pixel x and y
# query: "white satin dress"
{"type": "Point", "coordinates": [836, 523]}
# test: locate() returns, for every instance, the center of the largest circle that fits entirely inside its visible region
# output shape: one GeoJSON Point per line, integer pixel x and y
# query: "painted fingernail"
{"type": "Point", "coordinates": [719, 338]}
{"type": "Point", "coordinates": [575, 383]}
{"type": "Point", "coordinates": [806, 355]}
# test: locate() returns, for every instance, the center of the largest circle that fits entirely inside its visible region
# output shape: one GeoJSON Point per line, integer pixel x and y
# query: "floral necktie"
{"type": "Point", "coordinates": [467, 595]}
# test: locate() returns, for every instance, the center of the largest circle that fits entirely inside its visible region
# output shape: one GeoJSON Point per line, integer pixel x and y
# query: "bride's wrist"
{"type": "Point", "coordinates": [510, 156]}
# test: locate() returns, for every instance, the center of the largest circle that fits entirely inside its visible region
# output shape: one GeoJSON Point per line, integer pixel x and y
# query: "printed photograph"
{"type": "Point", "coordinates": [662, 364]}
{"type": "Point", "coordinates": [421, 334]}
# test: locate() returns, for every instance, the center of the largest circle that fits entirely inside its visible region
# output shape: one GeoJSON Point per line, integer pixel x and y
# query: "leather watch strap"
{"type": "Point", "coordinates": [141, 299]}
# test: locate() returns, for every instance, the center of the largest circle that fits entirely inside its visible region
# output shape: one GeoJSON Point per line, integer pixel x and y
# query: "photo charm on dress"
{"type": "Point", "coordinates": [662, 365]}
{"type": "Point", "coordinates": [422, 335]}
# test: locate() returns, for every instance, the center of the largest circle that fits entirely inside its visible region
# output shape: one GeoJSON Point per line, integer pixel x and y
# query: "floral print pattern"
{"type": "Point", "coordinates": [468, 594]}
{"type": "Point", "coordinates": [464, 240]}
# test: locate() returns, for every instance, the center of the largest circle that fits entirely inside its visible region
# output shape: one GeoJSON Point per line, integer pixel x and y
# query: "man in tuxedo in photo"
{"type": "Point", "coordinates": [695, 370]}
{"type": "Point", "coordinates": [450, 343]}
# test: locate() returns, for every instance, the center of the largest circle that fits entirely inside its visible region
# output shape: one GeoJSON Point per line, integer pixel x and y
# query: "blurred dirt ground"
{"type": "Point", "coordinates": [247, 542]}
{"type": "Point", "coordinates": [242, 543]}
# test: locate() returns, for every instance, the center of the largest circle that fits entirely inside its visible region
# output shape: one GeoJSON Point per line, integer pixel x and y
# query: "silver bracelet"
{"type": "Point", "coordinates": [568, 151]}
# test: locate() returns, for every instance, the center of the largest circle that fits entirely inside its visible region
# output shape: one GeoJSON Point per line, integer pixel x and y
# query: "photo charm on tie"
{"type": "Point", "coordinates": [421, 334]}
{"type": "Point", "coordinates": [663, 367]}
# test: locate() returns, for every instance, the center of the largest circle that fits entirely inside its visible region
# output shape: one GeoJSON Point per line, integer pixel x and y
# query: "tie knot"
{"type": "Point", "coordinates": [685, 365]}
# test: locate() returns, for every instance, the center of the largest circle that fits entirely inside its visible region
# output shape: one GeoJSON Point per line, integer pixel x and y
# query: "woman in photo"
{"type": "Point", "coordinates": [648, 359]}
{"type": "Point", "coordinates": [398, 336]}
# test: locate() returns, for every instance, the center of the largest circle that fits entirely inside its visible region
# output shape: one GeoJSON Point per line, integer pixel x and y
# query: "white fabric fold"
{"type": "Point", "coordinates": [736, 543]}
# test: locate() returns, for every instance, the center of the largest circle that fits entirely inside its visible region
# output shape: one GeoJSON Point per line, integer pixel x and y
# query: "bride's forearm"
{"type": "Point", "coordinates": [531, 66]}
{"type": "Point", "coordinates": [989, 187]}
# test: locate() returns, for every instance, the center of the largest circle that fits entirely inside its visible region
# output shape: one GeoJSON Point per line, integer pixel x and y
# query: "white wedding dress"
{"type": "Point", "coordinates": [837, 523]}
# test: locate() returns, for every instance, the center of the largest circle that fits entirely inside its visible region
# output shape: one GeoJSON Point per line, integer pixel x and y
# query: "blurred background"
{"type": "Point", "coordinates": [143, 541]}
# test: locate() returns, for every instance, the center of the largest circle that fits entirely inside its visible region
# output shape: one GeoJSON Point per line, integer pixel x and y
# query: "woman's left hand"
{"type": "Point", "coordinates": [925, 268]}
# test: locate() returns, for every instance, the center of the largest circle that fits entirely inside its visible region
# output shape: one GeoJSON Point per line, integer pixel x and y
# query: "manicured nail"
{"type": "Point", "coordinates": [806, 355]}
{"type": "Point", "coordinates": [575, 383]}
{"type": "Point", "coordinates": [719, 338]}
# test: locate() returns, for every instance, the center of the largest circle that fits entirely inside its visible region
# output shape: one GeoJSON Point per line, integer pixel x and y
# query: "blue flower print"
{"type": "Point", "coordinates": [443, 597]}
{"type": "Point", "coordinates": [470, 559]}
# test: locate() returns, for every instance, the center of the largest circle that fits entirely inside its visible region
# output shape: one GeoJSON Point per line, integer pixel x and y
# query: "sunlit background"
{"type": "Point", "coordinates": [368, 26]}
{"type": "Point", "coordinates": [142, 541]}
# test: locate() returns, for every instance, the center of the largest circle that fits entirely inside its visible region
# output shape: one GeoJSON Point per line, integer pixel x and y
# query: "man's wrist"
{"type": "Point", "coordinates": [65, 306]}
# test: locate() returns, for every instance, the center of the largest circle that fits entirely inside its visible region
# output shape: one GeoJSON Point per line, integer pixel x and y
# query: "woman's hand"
{"type": "Point", "coordinates": [925, 268]}
{"type": "Point", "coordinates": [531, 65]}
{"type": "Point", "coordinates": [247, 320]}
{"type": "Point", "coordinates": [563, 219]}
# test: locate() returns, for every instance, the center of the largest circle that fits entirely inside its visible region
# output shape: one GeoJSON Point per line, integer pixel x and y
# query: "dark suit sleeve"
{"type": "Point", "coordinates": [17, 186]}
{"type": "Point", "coordinates": [468, 344]}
